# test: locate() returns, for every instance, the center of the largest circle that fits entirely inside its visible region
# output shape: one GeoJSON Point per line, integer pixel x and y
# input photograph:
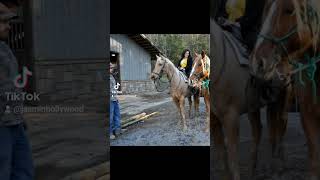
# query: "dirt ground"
{"type": "Point", "coordinates": [161, 129]}
{"type": "Point", "coordinates": [294, 168]}
{"type": "Point", "coordinates": [66, 143]}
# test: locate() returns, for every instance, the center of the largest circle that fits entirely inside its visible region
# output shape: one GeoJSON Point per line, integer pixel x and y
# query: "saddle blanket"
{"type": "Point", "coordinates": [238, 48]}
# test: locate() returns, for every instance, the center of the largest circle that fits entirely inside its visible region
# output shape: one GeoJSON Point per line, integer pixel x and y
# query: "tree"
{"type": "Point", "coordinates": [172, 45]}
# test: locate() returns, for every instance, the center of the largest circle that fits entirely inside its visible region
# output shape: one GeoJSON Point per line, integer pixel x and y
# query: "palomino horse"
{"type": "Point", "coordinates": [179, 88]}
{"type": "Point", "coordinates": [289, 35]}
{"type": "Point", "coordinates": [233, 94]}
{"type": "Point", "coordinates": [197, 76]}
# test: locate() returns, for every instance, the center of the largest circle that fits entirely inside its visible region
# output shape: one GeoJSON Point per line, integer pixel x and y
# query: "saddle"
{"type": "Point", "coordinates": [182, 73]}
{"type": "Point", "coordinates": [232, 32]}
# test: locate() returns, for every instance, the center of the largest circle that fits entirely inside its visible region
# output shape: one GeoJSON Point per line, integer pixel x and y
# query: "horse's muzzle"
{"type": "Point", "coordinates": [154, 76]}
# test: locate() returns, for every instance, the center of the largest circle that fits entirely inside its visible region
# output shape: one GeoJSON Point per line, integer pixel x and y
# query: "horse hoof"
{"type": "Point", "coordinates": [185, 128]}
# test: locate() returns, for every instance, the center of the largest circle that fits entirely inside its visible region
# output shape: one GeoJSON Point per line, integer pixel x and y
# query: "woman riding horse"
{"type": "Point", "coordinates": [185, 62]}
{"type": "Point", "coordinates": [250, 22]}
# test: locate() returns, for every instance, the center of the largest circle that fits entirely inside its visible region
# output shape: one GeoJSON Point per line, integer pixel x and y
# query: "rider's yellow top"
{"type": "Point", "coordinates": [235, 9]}
{"type": "Point", "coordinates": [184, 62]}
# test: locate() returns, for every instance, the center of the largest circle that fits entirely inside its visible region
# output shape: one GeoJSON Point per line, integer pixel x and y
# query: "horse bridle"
{"type": "Point", "coordinates": [161, 71]}
{"type": "Point", "coordinates": [198, 75]}
{"type": "Point", "coordinates": [280, 42]}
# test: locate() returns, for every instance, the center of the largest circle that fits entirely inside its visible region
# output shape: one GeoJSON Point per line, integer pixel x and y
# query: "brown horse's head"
{"type": "Point", "coordinates": [158, 68]}
{"type": "Point", "coordinates": [197, 67]}
{"type": "Point", "coordinates": [284, 36]}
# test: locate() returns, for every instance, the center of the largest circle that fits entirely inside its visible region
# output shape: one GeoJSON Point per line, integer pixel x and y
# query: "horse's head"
{"type": "Point", "coordinates": [158, 68]}
{"type": "Point", "coordinates": [284, 35]}
{"type": "Point", "coordinates": [197, 71]}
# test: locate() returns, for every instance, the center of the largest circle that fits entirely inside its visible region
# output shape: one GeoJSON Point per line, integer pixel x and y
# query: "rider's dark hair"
{"type": "Point", "coordinates": [184, 52]}
{"type": "Point", "coordinates": [189, 62]}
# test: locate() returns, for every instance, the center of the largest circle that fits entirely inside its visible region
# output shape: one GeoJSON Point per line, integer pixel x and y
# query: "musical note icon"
{"type": "Point", "coordinates": [21, 80]}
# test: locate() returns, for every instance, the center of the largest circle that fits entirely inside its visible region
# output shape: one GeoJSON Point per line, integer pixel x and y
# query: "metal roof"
{"type": "Point", "coordinates": [144, 42]}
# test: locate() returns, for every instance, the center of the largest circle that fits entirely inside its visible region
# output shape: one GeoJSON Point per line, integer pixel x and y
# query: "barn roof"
{"type": "Point", "coordinates": [144, 42]}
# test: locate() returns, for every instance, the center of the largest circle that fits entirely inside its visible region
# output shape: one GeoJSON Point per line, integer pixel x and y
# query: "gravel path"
{"type": "Point", "coordinates": [163, 129]}
{"type": "Point", "coordinates": [294, 168]}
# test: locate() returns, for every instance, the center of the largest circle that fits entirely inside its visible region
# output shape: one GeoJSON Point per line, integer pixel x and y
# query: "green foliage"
{"type": "Point", "coordinates": [172, 45]}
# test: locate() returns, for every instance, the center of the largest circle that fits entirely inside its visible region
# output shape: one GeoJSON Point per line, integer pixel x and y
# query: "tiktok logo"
{"type": "Point", "coordinates": [21, 80]}
{"type": "Point", "coordinates": [117, 86]}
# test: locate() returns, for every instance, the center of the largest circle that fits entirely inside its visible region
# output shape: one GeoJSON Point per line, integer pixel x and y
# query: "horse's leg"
{"type": "Point", "coordinates": [218, 147]}
{"type": "Point", "coordinates": [196, 109]}
{"type": "Point", "coordinates": [231, 126]}
{"type": "Point", "coordinates": [271, 121]}
{"type": "Point", "coordinates": [283, 104]}
{"type": "Point", "coordinates": [196, 104]}
{"type": "Point", "coordinates": [176, 101]}
{"type": "Point", "coordinates": [256, 128]}
{"type": "Point", "coordinates": [311, 132]}
{"type": "Point", "coordinates": [190, 106]}
{"type": "Point", "coordinates": [207, 102]}
{"type": "Point", "coordinates": [277, 117]}
{"type": "Point", "coordinates": [183, 116]}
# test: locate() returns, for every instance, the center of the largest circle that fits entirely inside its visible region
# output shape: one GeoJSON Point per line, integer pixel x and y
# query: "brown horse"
{"type": "Point", "coordinates": [197, 77]}
{"type": "Point", "coordinates": [233, 94]}
{"type": "Point", "coordinates": [290, 32]}
{"type": "Point", "coordinates": [179, 89]}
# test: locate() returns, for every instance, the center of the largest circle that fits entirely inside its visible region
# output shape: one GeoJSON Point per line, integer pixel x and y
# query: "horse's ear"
{"type": "Point", "coordinates": [162, 56]}
{"type": "Point", "coordinates": [203, 54]}
{"type": "Point", "coordinates": [157, 56]}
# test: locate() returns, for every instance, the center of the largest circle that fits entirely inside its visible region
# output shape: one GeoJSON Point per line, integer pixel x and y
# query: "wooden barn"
{"type": "Point", "coordinates": [135, 56]}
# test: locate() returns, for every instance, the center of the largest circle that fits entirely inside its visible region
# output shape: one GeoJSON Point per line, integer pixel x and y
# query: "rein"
{"type": "Point", "coordinates": [310, 68]}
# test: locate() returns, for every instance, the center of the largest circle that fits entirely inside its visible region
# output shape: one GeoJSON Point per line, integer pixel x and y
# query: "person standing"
{"type": "Point", "coordinates": [115, 117]}
{"type": "Point", "coordinates": [15, 155]}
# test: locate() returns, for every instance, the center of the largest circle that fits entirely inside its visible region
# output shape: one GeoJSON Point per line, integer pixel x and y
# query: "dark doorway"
{"type": "Point", "coordinates": [114, 58]}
